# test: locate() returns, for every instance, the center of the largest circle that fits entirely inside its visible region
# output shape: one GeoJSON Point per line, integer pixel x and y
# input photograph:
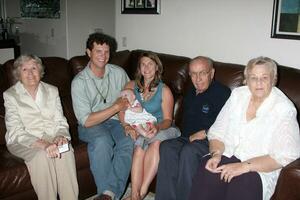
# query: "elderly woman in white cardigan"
{"type": "Point", "coordinates": [254, 136]}
{"type": "Point", "coordinates": [36, 127]}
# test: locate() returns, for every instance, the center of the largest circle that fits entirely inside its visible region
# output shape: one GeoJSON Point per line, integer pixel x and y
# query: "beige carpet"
{"type": "Point", "coordinates": [150, 195]}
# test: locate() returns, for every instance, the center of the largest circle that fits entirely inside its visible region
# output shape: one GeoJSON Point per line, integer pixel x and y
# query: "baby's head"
{"type": "Point", "coordinates": [135, 104]}
{"type": "Point", "coordinates": [129, 95]}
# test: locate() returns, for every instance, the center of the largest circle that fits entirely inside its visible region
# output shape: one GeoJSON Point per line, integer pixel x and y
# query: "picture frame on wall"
{"type": "Point", "coordinates": [40, 9]}
{"type": "Point", "coordinates": [140, 6]}
{"type": "Point", "coordinates": [286, 19]}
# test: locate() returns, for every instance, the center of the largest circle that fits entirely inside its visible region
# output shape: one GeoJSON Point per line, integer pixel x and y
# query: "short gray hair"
{"type": "Point", "coordinates": [268, 62]}
{"type": "Point", "coordinates": [209, 61]}
{"type": "Point", "coordinates": [25, 58]}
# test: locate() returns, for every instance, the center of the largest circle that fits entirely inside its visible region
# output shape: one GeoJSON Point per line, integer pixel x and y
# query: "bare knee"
{"type": "Point", "coordinates": [154, 146]}
{"type": "Point", "coordinates": [138, 151]}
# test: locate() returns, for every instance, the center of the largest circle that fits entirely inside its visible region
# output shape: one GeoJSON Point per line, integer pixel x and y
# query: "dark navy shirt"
{"type": "Point", "coordinates": [200, 111]}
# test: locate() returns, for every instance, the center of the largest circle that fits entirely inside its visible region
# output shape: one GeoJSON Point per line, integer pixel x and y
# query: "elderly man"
{"type": "Point", "coordinates": [95, 96]}
{"type": "Point", "coordinates": [180, 157]}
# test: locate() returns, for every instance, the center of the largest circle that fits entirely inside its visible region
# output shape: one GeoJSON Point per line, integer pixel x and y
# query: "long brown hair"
{"type": "Point", "coordinates": [139, 79]}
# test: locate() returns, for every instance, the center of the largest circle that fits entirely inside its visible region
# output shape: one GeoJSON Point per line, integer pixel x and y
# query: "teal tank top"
{"type": "Point", "coordinates": [152, 105]}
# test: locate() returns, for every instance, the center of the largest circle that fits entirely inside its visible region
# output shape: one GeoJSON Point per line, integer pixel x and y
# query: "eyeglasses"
{"type": "Point", "coordinates": [199, 74]}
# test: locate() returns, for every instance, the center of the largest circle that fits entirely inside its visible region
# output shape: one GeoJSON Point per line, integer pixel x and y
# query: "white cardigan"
{"type": "Point", "coordinates": [274, 131]}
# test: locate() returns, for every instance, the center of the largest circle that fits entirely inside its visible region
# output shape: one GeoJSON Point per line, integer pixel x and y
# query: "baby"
{"type": "Point", "coordinates": [136, 116]}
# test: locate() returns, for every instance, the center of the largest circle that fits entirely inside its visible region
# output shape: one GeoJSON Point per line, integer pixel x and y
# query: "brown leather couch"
{"type": "Point", "coordinates": [14, 177]}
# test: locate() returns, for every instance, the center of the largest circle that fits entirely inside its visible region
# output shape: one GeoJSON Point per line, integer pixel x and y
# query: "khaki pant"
{"type": "Point", "coordinates": [50, 176]}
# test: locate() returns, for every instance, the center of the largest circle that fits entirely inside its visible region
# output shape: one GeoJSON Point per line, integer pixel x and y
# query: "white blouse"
{"type": "Point", "coordinates": [274, 132]}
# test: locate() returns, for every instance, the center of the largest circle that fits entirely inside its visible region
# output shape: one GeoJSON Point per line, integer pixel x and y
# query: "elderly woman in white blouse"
{"type": "Point", "coordinates": [36, 127]}
{"type": "Point", "coordinates": [254, 136]}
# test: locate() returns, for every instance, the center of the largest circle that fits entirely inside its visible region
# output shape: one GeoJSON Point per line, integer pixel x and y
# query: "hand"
{"type": "Point", "coordinates": [231, 170]}
{"type": "Point", "coordinates": [41, 144]}
{"type": "Point", "coordinates": [60, 140]}
{"type": "Point", "coordinates": [200, 135]}
{"type": "Point", "coordinates": [140, 129]}
{"type": "Point", "coordinates": [152, 129]}
{"type": "Point", "coordinates": [52, 151]}
{"type": "Point", "coordinates": [213, 162]}
{"type": "Point", "coordinates": [130, 131]}
{"type": "Point", "coordinates": [122, 104]}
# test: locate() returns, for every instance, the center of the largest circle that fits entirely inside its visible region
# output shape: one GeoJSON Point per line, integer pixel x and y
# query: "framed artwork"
{"type": "Point", "coordinates": [40, 8]}
{"type": "Point", "coordinates": [2, 9]}
{"type": "Point", "coordinates": [286, 19]}
{"type": "Point", "coordinates": [140, 6]}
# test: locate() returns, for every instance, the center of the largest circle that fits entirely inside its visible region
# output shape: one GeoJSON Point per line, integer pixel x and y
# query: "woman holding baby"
{"type": "Point", "coordinates": [157, 99]}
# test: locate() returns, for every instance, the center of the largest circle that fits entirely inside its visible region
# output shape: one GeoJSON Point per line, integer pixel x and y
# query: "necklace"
{"type": "Point", "coordinates": [148, 95]}
{"type": "Point", "coordinates": [100, 93]}
{"type": "Point", "coordinates": [145, 97]}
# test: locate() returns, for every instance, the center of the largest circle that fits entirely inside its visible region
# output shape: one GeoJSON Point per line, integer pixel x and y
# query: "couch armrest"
{"type": "Point", "coordinates": [288, 184]}
{"type": "Point", "coordinates": [2, 129]}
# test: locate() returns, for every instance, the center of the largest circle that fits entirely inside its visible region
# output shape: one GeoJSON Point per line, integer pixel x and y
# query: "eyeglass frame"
{"type": "Point", "coordinates": [201, 74]}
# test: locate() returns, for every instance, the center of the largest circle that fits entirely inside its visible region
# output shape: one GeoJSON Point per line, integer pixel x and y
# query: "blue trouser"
{"type": "Point", "coordinates": [179, 160]}
{"type": "Point", "coordinates": [110, 154]}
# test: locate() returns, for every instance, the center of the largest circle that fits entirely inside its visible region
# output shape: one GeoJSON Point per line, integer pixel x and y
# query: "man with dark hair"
{"type": "Point", "coordinates": [96, 101]}
{"type": "Point", "coordinates": [180, 157]}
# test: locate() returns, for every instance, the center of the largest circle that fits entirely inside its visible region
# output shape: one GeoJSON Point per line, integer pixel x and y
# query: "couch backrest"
{"type": "Point", "coordinates": [60, 73]}
{"type": "Point", "coordinates": [176, 75]}
{"type": "Point", "coordinates": [289, 83]}
{"type": "Point", "coordinates": [3, 87]}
